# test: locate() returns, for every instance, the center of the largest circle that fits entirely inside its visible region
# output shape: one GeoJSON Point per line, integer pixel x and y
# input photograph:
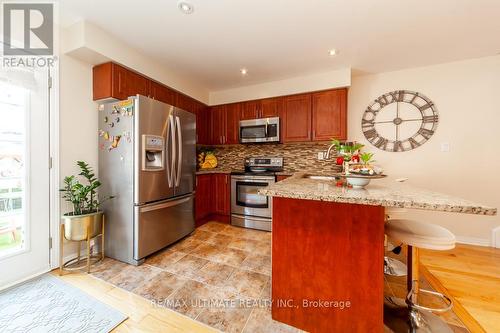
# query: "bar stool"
{"type": "Point", "coordinates": [409, 315]}
{"type": "Point", "coordinates": [392, 266]}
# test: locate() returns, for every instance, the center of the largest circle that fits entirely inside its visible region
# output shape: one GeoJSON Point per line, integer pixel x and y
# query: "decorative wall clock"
{"type": "Point", "coordinates": [399, 121]}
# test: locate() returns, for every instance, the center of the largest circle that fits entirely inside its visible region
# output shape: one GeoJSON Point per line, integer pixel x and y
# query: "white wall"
{"type": "Point", "coordinates": [320, 81]}
{"type": "Point", "coordinates": [93, 45]}
{"type": "Point", "coordinates": [77, 121]}
{"type": "Point", "coordinates": [466, 95]}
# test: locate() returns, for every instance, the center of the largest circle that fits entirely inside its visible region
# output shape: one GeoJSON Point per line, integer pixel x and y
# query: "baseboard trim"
{"type": "Point", "coordinates": [474, 241]}
{"type": "Point", "coordinates": [495, 237]}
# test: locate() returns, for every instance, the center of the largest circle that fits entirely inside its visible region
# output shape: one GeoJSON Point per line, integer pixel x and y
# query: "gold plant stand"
{"type": "Point", "coordinates": [81, 229]}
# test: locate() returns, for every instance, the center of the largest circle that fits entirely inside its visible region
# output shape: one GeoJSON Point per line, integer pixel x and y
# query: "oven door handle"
{"type": "Point", "coordinates": [254, 180]}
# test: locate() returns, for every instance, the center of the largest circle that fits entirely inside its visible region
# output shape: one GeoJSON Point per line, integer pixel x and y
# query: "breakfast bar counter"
{"type": "Point", "coordinates": [380, 192]}
{"type": "Point", "coordinates": [328, 249]}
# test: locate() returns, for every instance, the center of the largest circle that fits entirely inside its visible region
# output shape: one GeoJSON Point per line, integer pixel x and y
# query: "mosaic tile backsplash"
{"type": "Point", "coordinates": [296, 156]}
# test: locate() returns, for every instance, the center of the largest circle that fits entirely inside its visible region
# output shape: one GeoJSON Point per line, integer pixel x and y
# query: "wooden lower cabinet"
{"type": "Point", "coordinates": [213, 198]}
{"type": "Point", "coordinates": [204, 196]}
{"type": "Point", "coordinates": [222, 194]}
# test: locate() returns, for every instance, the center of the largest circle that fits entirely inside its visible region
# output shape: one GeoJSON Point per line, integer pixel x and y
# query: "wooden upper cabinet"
{"type": "Point", "coordinates": [329, 115]}
{"type": "Point", "coordinates": [162, 93]}
{"type": "Point", "coordinates": [203, 124]}
{"type": "Point", "coordinates": [111, 80]}
{"type": "Point", "coordinates": [218, 120]}
{"type": "Point", "coordinates": [271, 107]}
{"type": "Point", "coordinates": [232, 123]}
{"type": "Point", "coordinates": [250, 110]}
{"type": "Point", "coordinates": [186, 103]}
{"type": "Point", "coordinates": [296, 124]}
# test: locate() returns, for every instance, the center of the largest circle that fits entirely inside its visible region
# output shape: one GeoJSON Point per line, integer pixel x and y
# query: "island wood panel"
{"type": "Point", "coordinates": [328, 251]}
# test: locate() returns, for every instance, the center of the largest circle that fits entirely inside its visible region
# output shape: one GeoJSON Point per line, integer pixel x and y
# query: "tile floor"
{"type": "Point", "coordinates": [219, 275]}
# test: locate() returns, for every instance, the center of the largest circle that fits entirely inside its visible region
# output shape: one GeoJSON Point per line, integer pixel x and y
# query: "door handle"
{"type": "Point", "coordinates": [179, 157]}
{"type": "Point", "coordinates": [170, 166]}
{"type": "Point", "coordinates": [157, 206]}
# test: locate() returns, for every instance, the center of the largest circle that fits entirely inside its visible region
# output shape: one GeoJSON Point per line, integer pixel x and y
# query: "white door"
{"type": "Point", "coordinates": [24, 174]}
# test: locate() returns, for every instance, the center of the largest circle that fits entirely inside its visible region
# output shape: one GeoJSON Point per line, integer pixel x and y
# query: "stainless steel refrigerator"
{"type": "Point", "coordinates": [147, 160]}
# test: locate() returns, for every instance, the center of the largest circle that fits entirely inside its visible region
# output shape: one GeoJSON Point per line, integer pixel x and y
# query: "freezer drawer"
{"type": "Point", "coordinates": [160, 224]}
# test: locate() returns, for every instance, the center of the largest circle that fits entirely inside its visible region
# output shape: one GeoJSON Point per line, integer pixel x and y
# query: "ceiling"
{"type": "Point", "coordinates": [279, 39]}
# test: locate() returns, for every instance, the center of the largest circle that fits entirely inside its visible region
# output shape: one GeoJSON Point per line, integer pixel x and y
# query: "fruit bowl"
{"type": "Point", "coordinates": [358, 182]}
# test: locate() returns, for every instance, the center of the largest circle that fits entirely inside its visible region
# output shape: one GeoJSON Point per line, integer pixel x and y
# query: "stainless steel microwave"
{"type": "Point", "coordinates": [260, 130]}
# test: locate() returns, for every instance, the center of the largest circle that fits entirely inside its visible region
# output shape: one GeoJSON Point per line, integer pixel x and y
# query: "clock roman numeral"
{"type": "Point", "coordinates": [371, 134]}
{"type": "Point", "coordinates": [425, 106]}
{"type": "Point", "coordinates": [426, 133]}
{"type": "Point", "coordinates": [381, 143]}
{"type": "Point", "coordinates": [397, 96]}
{"type": "Point", "coordinates": [368, 123]}
{"type": "Point", "coordinates": [398, 146]}
{"type": "Point", "coordinates": [430, 119]}
{"type": "Point", "coordinates": [382, 100]}
{"type": "Point", "coordinates": [414, 144]}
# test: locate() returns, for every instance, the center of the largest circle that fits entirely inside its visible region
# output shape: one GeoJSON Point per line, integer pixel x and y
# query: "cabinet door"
{"type": "Point", "coordinates": [250, 110]}
{"type": "Point", "coordinates": [297, 118]}
{"type": "Point", "coordinates": [222, 188]}
{"type": "Point", "coordinates": [204, 196]}
{"type": "Point", "coordinates": [162, 93]}
{"type": "Point", "coordinates": [127, 83]}
{"type": "Point", "coordinates": [329, 115]}
{"type": "Point", "coordinates": [232, 123]}
{"type": "Point", "coordinates": [185, 102]}
{"type": "Point", "coordinates": [218, 119]}
{"type": "Point", "coordinates": [203, 124]}
{"type": "Point", "coordinates": [271, 107]}
{"type": "Point", "coordinates": [102, 81]}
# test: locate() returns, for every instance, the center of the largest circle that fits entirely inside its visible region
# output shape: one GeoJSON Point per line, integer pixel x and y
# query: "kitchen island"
{"type": "Point", "coordinates": [328, 249]}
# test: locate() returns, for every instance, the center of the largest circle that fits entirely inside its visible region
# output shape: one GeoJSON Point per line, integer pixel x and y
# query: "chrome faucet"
{"type": "Point", "coordinates": [328, 151]}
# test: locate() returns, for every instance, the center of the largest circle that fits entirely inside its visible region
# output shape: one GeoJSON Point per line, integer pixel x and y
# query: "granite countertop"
{"type": "Point", "coordinates": [380, 192]}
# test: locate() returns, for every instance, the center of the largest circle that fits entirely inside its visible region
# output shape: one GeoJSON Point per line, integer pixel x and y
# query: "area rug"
{"type": "Point", "coordinates": [48, 304]}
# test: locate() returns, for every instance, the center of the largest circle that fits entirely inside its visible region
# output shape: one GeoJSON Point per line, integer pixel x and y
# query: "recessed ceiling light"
{"type": "Point", "coordinates": [332, 52]}
{"type": "Point", "coordinates": [185, 7]}
{"type": "Point", "coordinates": [243, 71]}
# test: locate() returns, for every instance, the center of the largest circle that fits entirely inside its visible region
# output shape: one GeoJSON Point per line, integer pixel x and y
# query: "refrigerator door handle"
{"type": "Point", "coordinates": [179, 157]}
{"type": "Point", "coordinates": [161, 205]}
{"type": "Point", "coordinates": [171, 160]}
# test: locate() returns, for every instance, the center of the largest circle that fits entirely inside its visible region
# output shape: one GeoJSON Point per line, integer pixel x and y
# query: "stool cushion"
{"type": "Point", "coordinates": [420, 234]}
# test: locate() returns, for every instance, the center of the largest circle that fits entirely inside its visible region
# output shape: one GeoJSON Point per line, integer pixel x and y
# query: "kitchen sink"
{"type": "Point", "coordinates": [320, 177]}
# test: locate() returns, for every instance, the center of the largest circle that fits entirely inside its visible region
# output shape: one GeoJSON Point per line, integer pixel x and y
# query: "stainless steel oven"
{"type": "Point", "coordinates": [260, 130]}
{"type": "Point", "coordinates": [248, 208]}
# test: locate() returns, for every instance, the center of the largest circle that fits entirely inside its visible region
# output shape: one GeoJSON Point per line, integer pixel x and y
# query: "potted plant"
{"type": "Point", "coordinates": [85, 215]}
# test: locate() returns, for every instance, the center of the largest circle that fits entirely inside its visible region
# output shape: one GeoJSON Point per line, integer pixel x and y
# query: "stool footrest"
{"type": "Point", "coordinates": [426, 308]}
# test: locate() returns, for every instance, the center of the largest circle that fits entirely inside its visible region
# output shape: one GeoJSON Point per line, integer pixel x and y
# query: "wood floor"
{"type": "Point", "coordinates": [470, 274]}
